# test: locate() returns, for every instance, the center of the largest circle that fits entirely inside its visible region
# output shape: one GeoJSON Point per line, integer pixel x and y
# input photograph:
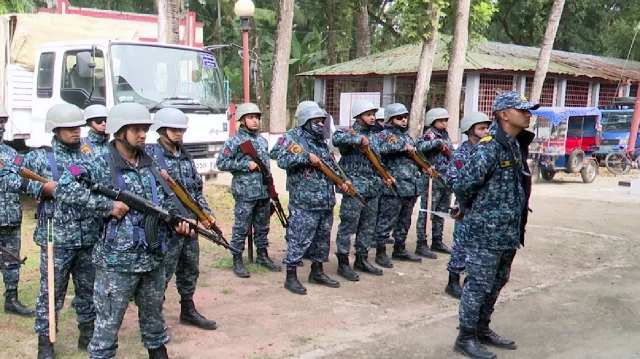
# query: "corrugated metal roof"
{"type": "Point", "coordinates": [484, 56]}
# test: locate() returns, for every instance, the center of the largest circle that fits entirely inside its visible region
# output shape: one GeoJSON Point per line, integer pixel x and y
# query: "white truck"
{"type": "Point", "coordinates": [94, 68]}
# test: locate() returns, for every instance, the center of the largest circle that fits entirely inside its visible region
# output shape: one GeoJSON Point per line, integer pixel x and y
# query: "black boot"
{"type": "Point", "coordinates": [422, 250]}
{"type": "Point", "coordinates": [489, 337]}
{"type": "Point", "coordinates": [291, 283]}
{"type": "Point", "coordinates": [299, 264]}
{"type": "Point", "coordinates": [317, 276]}
{"type": "Point", "coordinates": [344, 270]}
{"type": "Point", "coordinates": [401, 254]}
{"type": "Point", "coordinates": [86, 333]}
{"type": "Point", "coordinates": [381, 257]}
{"type": "Point", "coordinates": [238, 267]}
{"type": "Point", "coordinates": [438, 246]}
{"type": "Point", "coordinates": [389, 241]}
{"type": "Point", "coordinates": [190, 316]}
{"type": "Point", "coordinates": [363, 265]}
{"type": "Point", "coordinates": [263, 259]}
{"type": "Point", "coordinates": [45, 348]}
{"type": "Point", "coordinates": [468, 345]}
{"type": "Point", "coordinates": [160, 353]}
{"type": "Point", "coordinates": [453, 287]}
{"type": "Point", "coordinates": [12, 305]}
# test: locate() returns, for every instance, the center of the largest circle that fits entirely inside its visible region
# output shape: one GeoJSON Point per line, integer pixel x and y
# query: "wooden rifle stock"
{"type": "Point", "coordinates": [28, 174]}
{"type": "Point", "coordinates": [423, 164]}
{"type": "Point", "coordinates": [375, 162]}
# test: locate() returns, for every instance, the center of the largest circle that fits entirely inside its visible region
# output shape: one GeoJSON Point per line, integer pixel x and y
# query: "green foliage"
{"type": "Point", "coordinates": [411, 16]}
{"type": "Point", "coordinates": [17, 6]}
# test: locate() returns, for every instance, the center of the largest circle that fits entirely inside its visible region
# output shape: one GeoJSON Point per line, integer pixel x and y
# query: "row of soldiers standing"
{"type": "Point", "coordinates": [98, 242]}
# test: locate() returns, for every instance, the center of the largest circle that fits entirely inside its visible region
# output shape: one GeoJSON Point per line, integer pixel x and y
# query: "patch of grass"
{"type": "Point", "coordinates": [226, 291]}
{"type": "Point", "coordinates": [227, 263]}
{"type": "Point", "coordinates": [300, 339]}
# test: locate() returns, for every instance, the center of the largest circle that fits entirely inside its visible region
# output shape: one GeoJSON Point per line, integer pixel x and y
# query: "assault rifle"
{"type": "Point", "coordinates": [267, 179]}
{"type": "Point", "coordinates": [194, 206]}
{"type": "Point", "coordinates": [7, 256]}
{"type": "Point", "coordinates": [333, 176]}
{"type": "Point", "coordinates": [154, 215]}
{"type": "Point", "coordinates": [375, 162]}
{"type": "Point", "coordinates": [425, 165]}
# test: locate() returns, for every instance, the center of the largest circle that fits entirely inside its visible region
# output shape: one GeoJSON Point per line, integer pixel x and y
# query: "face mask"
{"type": "Point", "coordinates": [315, 128]}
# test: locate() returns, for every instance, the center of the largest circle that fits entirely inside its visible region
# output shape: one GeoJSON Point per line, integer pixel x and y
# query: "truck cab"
{"type": "Point", "coordinates": [616, 127]}
{"type": "Point", "coordinates": [155, 75]}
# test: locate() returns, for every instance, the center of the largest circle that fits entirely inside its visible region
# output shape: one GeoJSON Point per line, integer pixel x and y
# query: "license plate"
{"type": "Point", "coordinates": [606, 148]}
{"type": "Point", "coordinates": [206, 165]}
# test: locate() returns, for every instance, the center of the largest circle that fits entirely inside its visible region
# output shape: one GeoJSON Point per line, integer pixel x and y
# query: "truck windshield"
{"type": "Point", "coordinates": [616, 121]}
{"type": "Point", "coordinates": [157, 76]}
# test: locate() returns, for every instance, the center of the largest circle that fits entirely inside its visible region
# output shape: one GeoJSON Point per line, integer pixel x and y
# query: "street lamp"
{"type": "Point", "coordinates": [244, 10]}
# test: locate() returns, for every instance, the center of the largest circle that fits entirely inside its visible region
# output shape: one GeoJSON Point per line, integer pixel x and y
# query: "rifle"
{"type": "Point", "coordinates": [194, 206]}
{"type": "Point", "coordinates": [7, 256]}
{"type": "Point", "coordinates": [26, 173]}
{"type": "Point", "coordinates": [334, 177]}
{"type": "Point", "coordinates": [267, 179]}
{"type": "Point", "coordinates": [375, 161]}
{"type": "Point", "coordinates": [154, 214]}
{"type": "Point", "coordinates": [423, 163]}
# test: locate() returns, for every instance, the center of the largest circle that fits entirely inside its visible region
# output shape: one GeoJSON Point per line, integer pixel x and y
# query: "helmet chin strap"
{"type": "Point", "coordinates": [163, 132]}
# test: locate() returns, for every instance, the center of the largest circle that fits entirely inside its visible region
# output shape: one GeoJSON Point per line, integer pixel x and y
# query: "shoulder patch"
{"type": "Point", "coordinates": [486, 138]}
{"type": "Point", "coordinates": [392, 139]}
{"type": "Point", "coordinates": [86, 149]}
{"type": "Point", "coordinates": [459, 164]}
{"type": "Point", "coordinates": [18, 161]}
{"type": "Point", "coordinates": [295, 148]}
{"type": "Point", "coordinates": [281, 141]}
{"type": "Point", "coordinates": [430, 135]}
{"type": "Point", "coordinates": [226, 152]}
{"type": "Point", "coordinates": [75, 170]}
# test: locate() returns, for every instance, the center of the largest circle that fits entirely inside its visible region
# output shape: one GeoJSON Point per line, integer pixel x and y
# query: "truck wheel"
{"type": "Point", "coordinates": [547, 175]}
{"type": "Point", "coordinates": [576, 161]}
{"type": "Point", "coordinates": [589, 172]}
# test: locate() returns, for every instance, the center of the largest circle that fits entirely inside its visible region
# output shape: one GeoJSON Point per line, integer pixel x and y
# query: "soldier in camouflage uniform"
{"type": "Point", "coordinates": [97, 140]}
{"type": "Point", "coordinates": [126, 266]}
{"type": "Point", "coordinates": [379, 125]}
{"type": "Point", "coordinates": [493, 189]}
{"type": "Point", "coordinates": [75, 231]}
{"type": "Point", "coordinates": [253, 207]}
{"type": "Point", "coordinates": [437, 147]}
{"type": "Point", "coordinates": [395, 212]}
{"type": "Point", "coordinates": [184, 252]}
{"type": "Point", "coordinates": [10, 220]}
{"type": "Point", "coordinates": [354, 218]}
{"type": "Point", "coordinates": [475, 126]}
{"type": "Point", "coordinates": [311, 197]}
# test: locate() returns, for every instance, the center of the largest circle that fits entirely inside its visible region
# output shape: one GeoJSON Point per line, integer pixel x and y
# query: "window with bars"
{"type": "Point", "coordinates": [607, 93]}
{"type": "Point", "coordinates": [490, 85]}
{"type": "Point", "coordinates": [548, 91]}
{"type": "Point", "coordinates": [577, 94]}
{"type": "Point", "coordinates": [334, 87]}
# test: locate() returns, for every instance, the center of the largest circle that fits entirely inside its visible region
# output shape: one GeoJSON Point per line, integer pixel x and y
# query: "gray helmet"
{"type": "Point", "coordinates": [437, 113]}
{"type": "Point", "coordinates": [95, 111]}
{"type": "Point", "coordinates": [362, 106]}
{"type": "Point", "coordinates": [472, 119]}
{"type": "Point", "coordinates": [247, 109]}
{"type": "Point", "coordinates": [305, 104]}
{"type": "Point", "coordinates": [394, 109]}
{"type": "Point", "coordinates": [169, 117]}
{"type": "Point", "coordinates": [128, 113]}
{"type": "Point", "coordinates": [3, 112]}
{"type": "Point", "coordinates": [310, 113]}
{"type": "Point", "coordinates": [380, 114]}
{"type": "Point", "coordinates": [63, 115]}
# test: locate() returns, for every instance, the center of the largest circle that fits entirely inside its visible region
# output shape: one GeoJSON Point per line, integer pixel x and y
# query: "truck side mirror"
{"type": "Point", "coordinates": [85, 64]}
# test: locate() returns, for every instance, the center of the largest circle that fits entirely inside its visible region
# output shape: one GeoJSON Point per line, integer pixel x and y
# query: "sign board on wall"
{"type": "Point", "coordinates": [346, 102]}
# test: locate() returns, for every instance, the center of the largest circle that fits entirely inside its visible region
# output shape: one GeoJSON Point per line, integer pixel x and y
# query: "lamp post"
{"type": "Point", "coordinates": [244, 10]}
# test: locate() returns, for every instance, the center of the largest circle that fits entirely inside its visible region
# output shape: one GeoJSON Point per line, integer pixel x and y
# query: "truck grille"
{"type": "Point", "coordinates": [198, 150]}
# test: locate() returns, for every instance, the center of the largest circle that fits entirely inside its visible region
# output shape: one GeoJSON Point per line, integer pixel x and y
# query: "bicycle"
{"type": "Point", "coordinates": [621, 162]}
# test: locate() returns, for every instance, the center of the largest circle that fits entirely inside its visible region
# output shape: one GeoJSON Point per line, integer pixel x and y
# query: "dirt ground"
{"type": "Point", "coordinates": [580, 257]}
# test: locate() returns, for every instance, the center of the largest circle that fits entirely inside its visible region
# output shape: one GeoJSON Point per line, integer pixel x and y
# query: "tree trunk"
{"type": "Point", "coordinates": [545, 50]}
{"type": "Point", "coordinates": [331, 38]}
{"type": "Point", "coordinates": [168, 21]}
{"type": "Point", "coordinates": [280, 74]}
{"type": "Point", "coordinates": [429, 45]}
{"type": "Point", "coordinates": [259, 81]}
{"type": "Point", "coordinates": [456, 67]}
{"type": "Point", "coordinates": [108, 4]}
{"type": "Point", "coordinates": [363, 35]}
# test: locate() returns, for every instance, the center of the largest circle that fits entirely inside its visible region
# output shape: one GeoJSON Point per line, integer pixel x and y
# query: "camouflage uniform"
{"type": "Point", "coordinates": [493, 191]}
{"type": "Point", "coordinates": [10, 220]}
{"type": "Point", "coordinates": [458, 253]}
{"type": "Point", "coordinates": [395, 212]}
{"type": "Point", "coordinates": [184, 253]}
{"type": "Point", "coordinates": [252, 206]}
{"type": "Point", "coordinates": [75, 232]}
{"type": "Point", "coordinates": [430, 145]}
{"type": "Point", "coordinates": [354, 218]}
{"type": "Point", "coordinates": [311, 196]}
{"type": "Point", "coordinates": [125, 266]}
{"type": "Point", "coordinates": [95, 143]}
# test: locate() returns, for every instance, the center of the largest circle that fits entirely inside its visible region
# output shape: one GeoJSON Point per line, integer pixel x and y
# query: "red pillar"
{"type": "Point", "coordinates": [633, 133]}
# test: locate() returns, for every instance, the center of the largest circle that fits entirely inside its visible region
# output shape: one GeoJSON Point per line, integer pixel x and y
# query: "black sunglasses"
{"type": "Point", "coordinates": [99, 121]}
{"type": "Point", "coordinates": [3, 120]}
